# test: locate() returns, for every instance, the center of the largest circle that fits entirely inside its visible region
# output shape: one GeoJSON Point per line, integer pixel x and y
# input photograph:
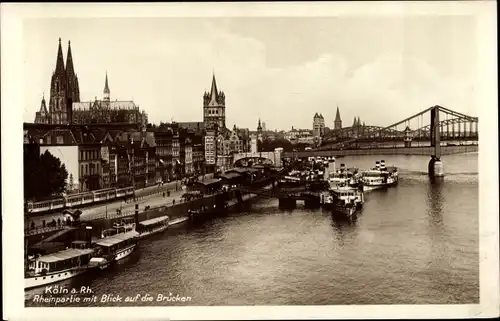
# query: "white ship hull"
{"type": "Point", "coordinates": [370, 187]}
{"type": "Point", "coordinates": [341, 209]}
{"type": "Point", "coordinates": [155, 231]}
{"type": "Point", "coordinates": [347, 211]}
{"type": "Point", "coordinates": [123, 253]}
{"type": "Point", "coordinates": [40, 280]}
{"type": "Point", "coordinates": [178, 221]}
{"type": "Point", "coordinates": [367, 188]}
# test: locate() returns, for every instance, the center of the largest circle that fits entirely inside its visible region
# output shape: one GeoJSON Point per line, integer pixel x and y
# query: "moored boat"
{"type": "Point", "coordinates": [344, 176]}
{"type": "Point", "coordinates": [344, 200]}
{"type": "Point", "coordinates": [114, 248]}
{"type": "Point", "coordinates": [380, 176]}
{"type": "Point", "coordinates": [58, 266]}
{"type": "Point", "coordinates": [153, 226]}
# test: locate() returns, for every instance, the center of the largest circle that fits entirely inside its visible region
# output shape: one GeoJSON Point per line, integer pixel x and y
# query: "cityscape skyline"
{"type": "Point", "coordinates": [167, 78]}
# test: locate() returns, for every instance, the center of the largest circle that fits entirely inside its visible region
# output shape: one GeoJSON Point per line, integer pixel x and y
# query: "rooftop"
{"type": "Point", "coordinates": [208, 181]}
{"type": "Point", "coordinates": [118, 238]}
{"type": "Point", "coordinates": [230, 175]}
{"type": "Point", "coordinates": [64, 255]}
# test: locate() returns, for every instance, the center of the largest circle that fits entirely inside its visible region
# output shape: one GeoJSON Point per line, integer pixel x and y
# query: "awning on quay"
{"type": "Point", "coordinates": [208, 182]}
{"type": "Point", "coordinates": [229, 176]}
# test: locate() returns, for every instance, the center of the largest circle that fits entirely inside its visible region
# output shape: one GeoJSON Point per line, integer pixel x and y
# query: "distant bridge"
{"type": "Point", "coordinates": [433, 125]}
{"type": "Point", "coordinates": [453, 126]}
{"type": "Point", "coordinates": [424, 150]}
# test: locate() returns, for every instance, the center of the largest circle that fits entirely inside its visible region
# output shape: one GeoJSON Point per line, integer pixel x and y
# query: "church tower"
{"type": "Point", "coordinates": [214, 107]}
{"type": "Point", "coordinates": [42, 116]}
{"type": "Point", "coordinates": [106, 89]}
{"type": "Point", "coordinates": [337, 124]}
{"type": "Point", "coordinates": [259, 131]}
{"type": "Point", "coordinates": [73, 87]}
{"type": "Point", "coordinates": [58, 103]}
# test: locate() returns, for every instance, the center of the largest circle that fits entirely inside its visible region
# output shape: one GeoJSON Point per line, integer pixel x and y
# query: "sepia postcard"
{"type": "Point", "coordinates": [267, 160]}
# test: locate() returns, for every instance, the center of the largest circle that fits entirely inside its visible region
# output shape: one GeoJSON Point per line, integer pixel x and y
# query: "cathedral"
{"type": "Point", "coordinates": [65, 107]}
{"type": "Point", "coordinates": [214, 107]}
{"type": "Point", "coordinates": [64, 91]}
{"type": "Point", "coordinates": [106, 111]}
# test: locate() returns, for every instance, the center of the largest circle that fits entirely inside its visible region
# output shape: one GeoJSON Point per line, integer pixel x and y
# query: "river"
{"type": "Point", "coordinates": [416, 243]}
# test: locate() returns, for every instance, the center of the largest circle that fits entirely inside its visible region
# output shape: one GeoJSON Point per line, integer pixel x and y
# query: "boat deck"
{"type": "Point", "coordinates": [64, 255]}
{"type": "Point", "coordinates": [117, 238]}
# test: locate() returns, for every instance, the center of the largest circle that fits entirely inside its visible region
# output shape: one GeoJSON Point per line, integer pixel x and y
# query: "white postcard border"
{"type": "Point", "coordinates": [12, 99]}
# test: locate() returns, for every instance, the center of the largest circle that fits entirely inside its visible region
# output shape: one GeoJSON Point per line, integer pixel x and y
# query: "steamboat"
{"type": "Point", "coordinates": [58, 266]}
{"type": "Point", "coordinates": [379, 177]}
{"type": "Point", "coordinates": [343, 199]}
{"type": "Point", "coordinates": [344, 176]}
{"type": "Point", "coordinates": [153, 226]}
{"type": "Point", "coordinates": [114, 248]}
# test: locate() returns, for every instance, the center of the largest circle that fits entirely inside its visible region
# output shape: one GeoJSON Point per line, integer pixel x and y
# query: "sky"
{"type": "Point", "coordinates": [281, 70]}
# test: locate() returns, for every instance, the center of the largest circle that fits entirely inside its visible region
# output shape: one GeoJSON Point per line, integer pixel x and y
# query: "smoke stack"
{"type": "Point", "coordinates": [136, 216]}
{"type": "Point", "coordinates": [377, 165]}
{"type": "Point", "coordinates": [342, 167]}
{"type": "Point", "coordinates": [88, 231]}
{"type": "Point", "coordinates": [331, 165]}
{"type": "Point", "coordinates": [382, 164]}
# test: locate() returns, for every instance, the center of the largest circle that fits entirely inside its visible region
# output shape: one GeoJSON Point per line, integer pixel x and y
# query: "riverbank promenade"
{"type": "Point", "coordinates": [153, 196]}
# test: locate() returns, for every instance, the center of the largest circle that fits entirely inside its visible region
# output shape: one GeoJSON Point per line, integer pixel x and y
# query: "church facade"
{"type": "Point", "coordinates": [64, 91]}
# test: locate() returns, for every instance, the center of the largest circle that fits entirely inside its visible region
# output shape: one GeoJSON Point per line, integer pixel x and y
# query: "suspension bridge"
{"type": "Point", "coordinates": [435, 131]}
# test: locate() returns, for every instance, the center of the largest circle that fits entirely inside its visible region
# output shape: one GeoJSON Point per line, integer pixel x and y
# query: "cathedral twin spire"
{"type": "Point", "coordinates": [68, 70]}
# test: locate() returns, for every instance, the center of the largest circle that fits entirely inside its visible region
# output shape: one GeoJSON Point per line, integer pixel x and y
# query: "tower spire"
{"type": "Point", "coordinates": [70, 71]}
{"type": "Point", "coordinates": [337, 116]}
{"type": "Point", "coordinates": [60, 60]}
{"type": "Point", "coordinates": [106, 88]}
{"type": "Point", "coordinates": [213, 91]}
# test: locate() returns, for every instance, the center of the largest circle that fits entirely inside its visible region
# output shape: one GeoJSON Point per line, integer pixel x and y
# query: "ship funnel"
{"type": "Point", "coordinates": [331, 165]}
{"type": "Point", "coordinates": [382, 164]}
{"type": "Point", "coordinates": [330, 168]}
{"type": "Point", "coordinates": [377, 165]}
{"type": "Point", "coordinates": [342, 167]}
{"type": "Point", "coordinates": [88, 231]}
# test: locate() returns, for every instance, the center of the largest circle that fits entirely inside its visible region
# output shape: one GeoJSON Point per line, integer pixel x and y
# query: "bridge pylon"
{"type": "Point", "coordinates": [436, 168]}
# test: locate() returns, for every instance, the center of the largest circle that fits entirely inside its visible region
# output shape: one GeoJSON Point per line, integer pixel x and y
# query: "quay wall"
{"type": "Point", "coordinates": [425, 150]}
{"type": "Point", "coordinates": [173, 211]}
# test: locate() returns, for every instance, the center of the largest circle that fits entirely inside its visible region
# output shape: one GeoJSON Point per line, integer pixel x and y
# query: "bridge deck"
{"type": "Point", "coordinates": [426, 151]}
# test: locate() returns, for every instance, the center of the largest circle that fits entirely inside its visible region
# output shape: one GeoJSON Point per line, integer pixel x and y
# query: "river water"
{"type": "Point", "coordinates": [416, 243]}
